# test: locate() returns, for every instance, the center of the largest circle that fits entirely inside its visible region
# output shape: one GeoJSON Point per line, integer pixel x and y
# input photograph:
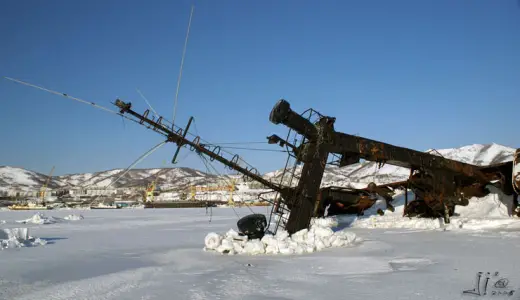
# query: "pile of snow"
{"type": "Point", "coordinates": [40, 218]}
{"type": "Point", "coordinates": [315, 239]}
{"type": "Point", "coordinates": [323, 222]}
{"type": "Point", "coordinates": [495, 205]}
{"type": "Point", "coordinates": [73, 217]}
{"type": "Point", "coordinates": [489, 212]}
{"type": "Point", "coordinates": [17, 238]}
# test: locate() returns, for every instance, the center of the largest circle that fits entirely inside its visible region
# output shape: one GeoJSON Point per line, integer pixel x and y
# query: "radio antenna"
{"type": "Point", "coordinates": [182, 64]}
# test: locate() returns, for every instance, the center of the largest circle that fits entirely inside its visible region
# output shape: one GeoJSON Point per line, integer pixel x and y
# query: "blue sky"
{"type": "Point", "coordinates": [420, 74]}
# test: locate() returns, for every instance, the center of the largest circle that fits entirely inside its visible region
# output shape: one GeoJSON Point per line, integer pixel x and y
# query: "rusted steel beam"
{"type": "Point", "coordinates": [303, 202]}
{"type": "Point", "coordinates": [357, 147]}
{"type": "Point", "coordinates": [399, 156]}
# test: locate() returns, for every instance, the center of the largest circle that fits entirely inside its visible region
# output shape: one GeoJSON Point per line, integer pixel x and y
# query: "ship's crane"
{"type": "Point", "coordinates": [231, 187]}
{"type": "Point", "coordinates": [149, 192]}
{"type": "Point", "coordinates": [43, 189]}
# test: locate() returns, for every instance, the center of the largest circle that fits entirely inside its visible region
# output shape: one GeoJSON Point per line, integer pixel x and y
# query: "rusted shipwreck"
{"type": "Point", "coordinates": [439, 184]}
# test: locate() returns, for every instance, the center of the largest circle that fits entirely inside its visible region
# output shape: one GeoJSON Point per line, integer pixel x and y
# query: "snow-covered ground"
{"type": "Point", "coordinates": [158, 254]}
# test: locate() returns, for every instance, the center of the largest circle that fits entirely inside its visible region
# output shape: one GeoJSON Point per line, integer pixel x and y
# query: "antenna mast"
{"type": "Point", "coordinates": [180, 70]}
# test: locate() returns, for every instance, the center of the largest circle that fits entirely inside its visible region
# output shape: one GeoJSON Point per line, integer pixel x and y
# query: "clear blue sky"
{"type": "Point", "coordinates": [420, 74]}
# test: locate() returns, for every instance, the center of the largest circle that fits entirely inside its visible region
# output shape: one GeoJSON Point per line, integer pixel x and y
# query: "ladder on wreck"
{"type": "Point", "coordinates": [279, 215]}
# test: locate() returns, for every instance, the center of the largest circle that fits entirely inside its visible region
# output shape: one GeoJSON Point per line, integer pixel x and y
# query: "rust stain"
{"type": "Point", "coordinates": [516, 171]}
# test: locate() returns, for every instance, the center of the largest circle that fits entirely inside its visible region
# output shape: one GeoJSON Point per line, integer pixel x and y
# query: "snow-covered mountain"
{"type": "Point", "coordinates": [22, 179]}
{"type": "Point", "coordinates": [167, 178]}
{"type": "Point", "coordinates": [356, 175]}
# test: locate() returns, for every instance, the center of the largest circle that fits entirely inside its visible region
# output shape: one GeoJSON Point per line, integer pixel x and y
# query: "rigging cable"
{"type": "Point", "coordinates": [239, 143]}
{"type": "Point", "coordinates": [206, 163]}
{"type": "Point", "coordinates": [211, 209]}
{"type": "Point", "coordinates": [137, 161]}
{"type": "Point", "coordinates": [227, 180]}
{"type": "Point", "coordinates": [72, 98]}
{"type": "Point", "coordinates": [122, 172]}
{"type": "Point", "coordinates": [117, 113]}
{"type": "Point", "coordinates": [148, 103]}
{"type": "Point", "coordinates": [61, 94]}
{"type": "Point", "coordinates": [252, 149]}
{"type": "Point", "coordinates": [126, 117]}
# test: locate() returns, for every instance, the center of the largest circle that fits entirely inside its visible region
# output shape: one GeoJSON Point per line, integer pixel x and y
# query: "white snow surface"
{"type": "Point", "coordinates": [156, 254]}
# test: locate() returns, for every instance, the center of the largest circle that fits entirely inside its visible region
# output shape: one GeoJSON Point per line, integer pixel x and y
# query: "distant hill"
{"type": "Point", "coordinates": [357, 175]}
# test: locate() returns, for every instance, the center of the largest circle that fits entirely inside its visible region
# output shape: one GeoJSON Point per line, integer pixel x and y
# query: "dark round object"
{"type": "Point", "coordinates": [253, 226]}
{"type": "Point", "coordinates": [372, 187]}
{"type": "Point", "coordinates": [280, 112]}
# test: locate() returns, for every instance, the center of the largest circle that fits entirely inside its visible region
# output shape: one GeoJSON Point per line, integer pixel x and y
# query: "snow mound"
{"type": "Point", "coordinates": [486, 213]}
{"type": "Point", "coordinates": [40, 218]}
{"type": "Point", "coordinates": [494, 205]}
{"type": "Point", "coordinates": [324, 222]}
{"type": "Point", "coordinates": [17, 238]}
{"type": "Point", "coordinates": [317, 238]}
{"type": "Point", "coordinates": [74, 217]}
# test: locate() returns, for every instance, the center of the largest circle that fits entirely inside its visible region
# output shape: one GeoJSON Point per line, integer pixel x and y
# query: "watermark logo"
{"type": "Point", "coordinates": [490, 284]}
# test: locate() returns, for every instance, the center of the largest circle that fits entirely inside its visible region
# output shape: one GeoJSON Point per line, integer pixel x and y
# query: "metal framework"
{"type": "Point", "coordinates": [287, 197]}
{"type": "Point", "coordinates": [439, 183]}
{"type": "Point", "coordinates": [213, 152]}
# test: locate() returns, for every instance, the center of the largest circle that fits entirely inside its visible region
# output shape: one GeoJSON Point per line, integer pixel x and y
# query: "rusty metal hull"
{"type": "Point", "coordinates": [341, 201]}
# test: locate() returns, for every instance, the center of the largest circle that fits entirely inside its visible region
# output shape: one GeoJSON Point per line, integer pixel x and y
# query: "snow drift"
{"type": "Point", "coordinates": [317, 238]}
{"type": "Point", "coordinates": [40, 218]}
{"type": "Point", "coordinates": [489, 212]}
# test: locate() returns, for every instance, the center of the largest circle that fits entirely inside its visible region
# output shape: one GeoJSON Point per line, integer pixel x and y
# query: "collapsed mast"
{"type": "Point", "coordinates": [212, 151]}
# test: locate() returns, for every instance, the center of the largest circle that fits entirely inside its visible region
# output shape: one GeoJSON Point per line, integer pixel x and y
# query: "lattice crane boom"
{"type": "Point", "coordinates": [179, 137]}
